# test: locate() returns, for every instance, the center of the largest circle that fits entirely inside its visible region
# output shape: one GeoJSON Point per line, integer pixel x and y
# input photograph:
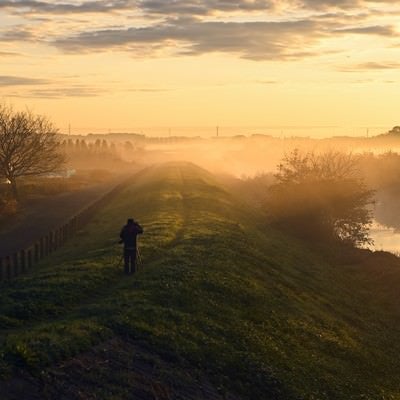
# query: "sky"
{"type": "Point", "coordinates": [161, 67]}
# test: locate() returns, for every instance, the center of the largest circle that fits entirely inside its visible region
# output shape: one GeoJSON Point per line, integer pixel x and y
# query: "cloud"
{"type": "Point", "coordinates": [59, 92]}
{"type": "Point", "coordinates": [324, 4]}
{"type": "Point", "coordinates": [267, 82]}
{"type": "Point", "coordinates": [6, 80]}
{"type": "Point", "coordinates": [56, 7]}
{"type": "Point", "coordinates": [168, 8]}
{"type": "Point", "coordinates": [146, 90]}
{"type": "Point", "coordinates": [371, 65]}
{"type": "Point", "coordinates": [177, 7]}
{"type": "Point", "coordinates": [259, 40]}
{"type": "Point", "coordinates": [379, 65]}
{"type": "Point", "coordinates": [382, 30]}
{"type": "Point", "coordinates": [343, 4]}
{"type": "Point", "coordinates": [45, 88]}
{"type": "Point", "coordinates": [9, 54]}
{"type": "Point", "coordinates": [185, 27]}
{"type": "Point", "coordinates": [55, 91]}
{"type": "Point", "coordinates": [191, 27]}
{"type": "Point", "coordinates": [206, 7]}
{"type": "Point", "coordinates": [66, 92]}
{"type": "Point", "coordinates": [252, 40]}
{"type": "Point", "coordinates": [162, 7]}
{"type": "Point", "coordinates": [17, 33]}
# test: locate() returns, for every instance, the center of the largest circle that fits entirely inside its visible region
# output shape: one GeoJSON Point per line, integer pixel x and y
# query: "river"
{"type": "Point", "coordinates": [385, 230]}
{"type": "Point", "coordinates": [385, 238]}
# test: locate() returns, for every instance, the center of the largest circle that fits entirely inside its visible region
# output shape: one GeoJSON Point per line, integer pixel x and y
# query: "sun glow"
{"type": "Point", "coordinates": [183, 64]}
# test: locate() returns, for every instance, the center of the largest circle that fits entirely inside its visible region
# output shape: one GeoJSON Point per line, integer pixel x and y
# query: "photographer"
{"type": "Point", "coordinates": [128, 237]}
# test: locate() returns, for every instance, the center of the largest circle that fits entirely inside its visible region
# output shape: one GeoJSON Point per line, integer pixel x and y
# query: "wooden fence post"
{"type": "Point", "coordinates": [61, 236]}
{"type": "Point", "coordinates": [71, 227]}
{"type": "Point", "coordinates": [8, 267]}
{"type": "Point", "coordinates": [46, 246]}
{"type": "Point", "coordinates": [37, 252]}
{"type": "Point", "coordinates": [50, 235]}
{"type": "Point", "coordinates": [41, 247]}
{"type": "Point", "coordinates": [65, 229]}
{"type": "Point", "coordinates": [59, 239]}
{"type": "Point", "coordinates": [29, 258]}
{"type": "Point", "coordinates": [23, 260]}
{"type": "Point", "coordinates": [55, 238]}
{"type": "Point", "coordinates": [15, 265]}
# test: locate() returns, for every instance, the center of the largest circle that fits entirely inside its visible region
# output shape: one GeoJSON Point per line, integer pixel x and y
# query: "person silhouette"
{"type": "Point", "coordinates": [128, 237]}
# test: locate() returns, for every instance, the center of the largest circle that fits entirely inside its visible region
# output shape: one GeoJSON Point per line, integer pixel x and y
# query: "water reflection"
{"type": "Point", "coordinates": [385, 238]}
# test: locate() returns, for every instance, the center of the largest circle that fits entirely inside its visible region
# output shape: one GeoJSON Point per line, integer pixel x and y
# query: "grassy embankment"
{"type": "Point", "coordinates": [221, 295]}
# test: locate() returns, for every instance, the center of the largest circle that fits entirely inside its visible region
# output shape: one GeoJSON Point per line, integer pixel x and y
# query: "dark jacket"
{"type": "Point", "coordinates": [128, 235]}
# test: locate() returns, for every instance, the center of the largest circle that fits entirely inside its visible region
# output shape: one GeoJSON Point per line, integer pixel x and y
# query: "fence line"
{"type": "Point", "coordinates": [21, 261]}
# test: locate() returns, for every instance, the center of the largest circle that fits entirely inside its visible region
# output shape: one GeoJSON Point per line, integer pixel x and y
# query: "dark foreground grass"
{"type": "Point", "coordinates": [219, 295]}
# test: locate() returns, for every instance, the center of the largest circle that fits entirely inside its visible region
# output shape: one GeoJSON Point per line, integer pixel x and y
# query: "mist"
{"type": "Point", "coordinates": [240, 156]}
{"type": "Point", "coordinates": [246, 165]}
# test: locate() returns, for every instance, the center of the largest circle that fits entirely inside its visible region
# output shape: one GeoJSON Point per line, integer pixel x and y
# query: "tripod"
{"type": "Point", "coordinates": [139, 260]}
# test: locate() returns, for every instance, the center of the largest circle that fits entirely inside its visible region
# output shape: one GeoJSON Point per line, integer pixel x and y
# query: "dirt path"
{"type": "Point", "coordinates": [47, 214]}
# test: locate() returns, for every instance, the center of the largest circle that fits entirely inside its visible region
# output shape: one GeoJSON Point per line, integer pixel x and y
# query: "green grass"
{"type": "Point", "coordinates": [258, 312]}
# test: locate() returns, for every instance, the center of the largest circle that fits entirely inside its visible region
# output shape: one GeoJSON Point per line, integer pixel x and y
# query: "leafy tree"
{"type": "Point", "coordinates": [321, 196]}
{"type": "Point", "coordinates": [28, 146]}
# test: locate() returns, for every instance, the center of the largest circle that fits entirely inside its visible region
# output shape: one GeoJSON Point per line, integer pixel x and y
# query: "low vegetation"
{"type": "Point", "coordinates": [220, 295]}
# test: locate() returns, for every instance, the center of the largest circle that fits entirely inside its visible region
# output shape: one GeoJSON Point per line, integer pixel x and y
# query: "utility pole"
{"type": "Point", "coordinates": [217, 131]}
{"type": "Point", "coordinates": [69, 129]}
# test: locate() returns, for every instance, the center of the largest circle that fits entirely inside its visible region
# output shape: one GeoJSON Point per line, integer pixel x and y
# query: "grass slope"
{"type": "Point", "coordinates": [221, 298]}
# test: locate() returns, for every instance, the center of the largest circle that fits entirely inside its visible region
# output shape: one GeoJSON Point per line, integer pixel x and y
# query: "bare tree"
{"type": "Point", "coordinates": [28, 146]}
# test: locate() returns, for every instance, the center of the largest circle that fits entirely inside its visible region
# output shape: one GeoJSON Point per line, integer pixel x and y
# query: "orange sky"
{"type": "Point", "coordinates": [249, 66]}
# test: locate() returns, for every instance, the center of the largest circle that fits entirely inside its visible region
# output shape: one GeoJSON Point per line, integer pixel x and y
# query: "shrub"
{"type": "Point", "coordinates": [320, 196]}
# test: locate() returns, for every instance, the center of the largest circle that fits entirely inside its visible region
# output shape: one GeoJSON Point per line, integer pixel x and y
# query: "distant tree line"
{"type": "Point", "coordinates": [98, 150]}
{"type": "Point", "coordinates": [381, 171]}
{"type": "Point", "coordinates": [82, 147]}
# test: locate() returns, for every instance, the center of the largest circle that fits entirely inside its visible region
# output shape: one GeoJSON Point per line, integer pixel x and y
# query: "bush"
{"type": "Point", "coordinates": [8, 207]}
{"type": "Point", "coordinates": [321, 197]}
